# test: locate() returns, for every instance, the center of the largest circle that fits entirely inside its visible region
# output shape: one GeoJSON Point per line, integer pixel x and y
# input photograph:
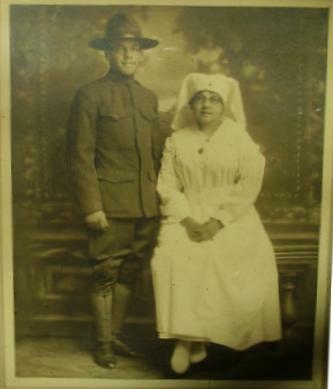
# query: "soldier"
{"type": "Point", "coordinates": [114, 149]}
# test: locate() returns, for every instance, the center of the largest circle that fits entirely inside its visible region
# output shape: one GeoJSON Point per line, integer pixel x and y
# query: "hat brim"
{"type": "Point", "coordinates": [108, 44]}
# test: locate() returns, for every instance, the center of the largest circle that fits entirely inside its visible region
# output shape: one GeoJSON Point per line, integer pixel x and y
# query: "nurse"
{"type": "Point", "coordinates": [214, 272]}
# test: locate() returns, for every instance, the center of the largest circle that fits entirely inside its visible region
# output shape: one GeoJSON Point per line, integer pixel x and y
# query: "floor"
{"type": "Point", "coordinates": [71, 358]}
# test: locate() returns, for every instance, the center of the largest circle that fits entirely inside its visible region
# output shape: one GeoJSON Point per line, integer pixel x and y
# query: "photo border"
{"type": "Point", "coordinates": [7, 356]}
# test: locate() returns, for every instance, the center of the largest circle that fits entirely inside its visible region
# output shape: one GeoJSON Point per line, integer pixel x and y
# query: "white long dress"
{"type": "Point", "coordinates": [224, 290]}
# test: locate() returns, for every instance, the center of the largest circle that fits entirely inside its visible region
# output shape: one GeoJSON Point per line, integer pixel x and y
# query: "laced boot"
{"type": "Point", "coordinates": [102, 311]}
{"type": "Point", "coordinates": [122, 297]}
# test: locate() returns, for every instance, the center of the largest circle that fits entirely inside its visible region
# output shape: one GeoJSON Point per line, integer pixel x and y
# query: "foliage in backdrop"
{"type": "Point", "coordinates": [277, 54]}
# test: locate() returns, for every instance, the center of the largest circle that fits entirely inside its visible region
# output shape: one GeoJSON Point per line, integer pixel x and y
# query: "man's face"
{"type": "Point", "coordinates": [125, 58]}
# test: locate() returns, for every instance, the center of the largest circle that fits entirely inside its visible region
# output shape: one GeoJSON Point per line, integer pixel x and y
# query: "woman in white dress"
{"type": "Point", "coordinates": [214, 271]}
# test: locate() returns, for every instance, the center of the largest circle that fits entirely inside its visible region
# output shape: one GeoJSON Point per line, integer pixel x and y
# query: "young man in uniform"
{"type": "Point", "coordinates": [115, 146]}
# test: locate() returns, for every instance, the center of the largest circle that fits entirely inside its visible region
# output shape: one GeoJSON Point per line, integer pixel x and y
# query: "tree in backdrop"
{"type": "Point", "coordinates": [279, 57]}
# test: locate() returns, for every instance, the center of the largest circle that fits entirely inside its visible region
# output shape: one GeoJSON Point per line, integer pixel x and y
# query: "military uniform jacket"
{"type": "Point", "coordinates": [114, 148]}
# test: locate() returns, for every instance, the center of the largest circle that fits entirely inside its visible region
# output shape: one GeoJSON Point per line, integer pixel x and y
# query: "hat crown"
{"type": "Point", "coordinates": [121, 26]}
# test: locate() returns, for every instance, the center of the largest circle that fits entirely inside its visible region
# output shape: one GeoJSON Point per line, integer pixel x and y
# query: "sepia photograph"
{"type": "Point", "coordinates": [166, 194]}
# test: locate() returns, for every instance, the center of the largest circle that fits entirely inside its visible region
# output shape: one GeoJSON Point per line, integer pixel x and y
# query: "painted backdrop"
{"type": "Point", "coordinates": [278, 55]}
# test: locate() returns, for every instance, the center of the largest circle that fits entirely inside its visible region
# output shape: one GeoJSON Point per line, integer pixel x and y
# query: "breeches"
{"type": "Point", "coordinates": [120, 252]}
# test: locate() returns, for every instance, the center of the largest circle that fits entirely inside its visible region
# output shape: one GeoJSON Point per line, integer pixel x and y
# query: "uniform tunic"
{"type": "Point", "coordinates": [224, 290]}
{"type": "Point", "coordinates": [114, 147]}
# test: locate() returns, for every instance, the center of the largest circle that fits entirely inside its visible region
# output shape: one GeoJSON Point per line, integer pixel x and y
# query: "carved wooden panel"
{"type": "Point", "coordinates": [62, 279]}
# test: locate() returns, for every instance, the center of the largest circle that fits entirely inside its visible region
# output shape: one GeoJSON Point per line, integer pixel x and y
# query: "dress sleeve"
{"type": "Point", "coordinates": [242, 195]}
{"type": "Point", "coordinates": [169, 187]}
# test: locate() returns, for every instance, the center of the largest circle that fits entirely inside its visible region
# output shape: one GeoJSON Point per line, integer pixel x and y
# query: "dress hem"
{"type": "Point", "coordinates": [163, 335]}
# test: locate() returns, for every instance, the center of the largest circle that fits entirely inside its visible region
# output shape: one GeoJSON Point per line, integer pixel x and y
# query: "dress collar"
{"type": "Point", "coordinates": [218, 130]}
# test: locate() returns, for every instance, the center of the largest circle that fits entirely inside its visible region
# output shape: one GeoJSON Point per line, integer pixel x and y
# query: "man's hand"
{"type": "Point", "coordinates": [97, 221]}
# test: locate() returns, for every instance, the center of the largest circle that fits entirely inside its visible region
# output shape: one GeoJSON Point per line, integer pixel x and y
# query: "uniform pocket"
{"type": "Point", "coordinates": [152, 175]}
{"type": "Point", "coordinates": [148, 113]}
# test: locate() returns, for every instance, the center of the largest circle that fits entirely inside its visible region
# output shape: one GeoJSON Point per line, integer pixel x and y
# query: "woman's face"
{"type": "Point", "coordinates": [207, 107]}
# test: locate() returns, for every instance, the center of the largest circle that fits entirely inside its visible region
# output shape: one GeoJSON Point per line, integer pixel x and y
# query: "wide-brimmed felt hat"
{"type": "Point", "coordinates": [122, 26]}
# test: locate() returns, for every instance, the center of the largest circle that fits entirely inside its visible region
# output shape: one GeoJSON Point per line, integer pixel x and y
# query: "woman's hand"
{"type": "Point", "coordinates": [201, 232]}
{"type": "Point", "coordinates": [210, 229]}
{"type": "Point", "coordinates": [194, 229]}
{"type": "Point", "coordinates": [97, 221]}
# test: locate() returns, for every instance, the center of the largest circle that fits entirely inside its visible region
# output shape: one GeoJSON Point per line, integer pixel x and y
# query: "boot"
{"type": "Point", "coordinates": [122, 297]}
{"type": "Point", "coordinates": [102, 311]}
{"type": "Point", "coordinates": [104, 356]}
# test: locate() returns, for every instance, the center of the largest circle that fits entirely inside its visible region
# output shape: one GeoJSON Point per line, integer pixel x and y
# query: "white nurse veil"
{"type": "Point", "coordinates": [226, 87]}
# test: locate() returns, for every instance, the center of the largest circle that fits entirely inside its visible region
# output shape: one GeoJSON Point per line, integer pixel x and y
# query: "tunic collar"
{"type": "Point", "coordinates": [118, 77]}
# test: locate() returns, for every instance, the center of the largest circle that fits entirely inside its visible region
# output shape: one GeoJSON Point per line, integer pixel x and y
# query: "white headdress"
{"type": "Point", "coordinates": [224, 86]}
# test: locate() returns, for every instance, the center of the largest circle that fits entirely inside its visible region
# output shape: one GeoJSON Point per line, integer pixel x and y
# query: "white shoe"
{"type": "Point", "coordinates": [180, 361]}
{"type": "Point", "coordinates": [198, 352]}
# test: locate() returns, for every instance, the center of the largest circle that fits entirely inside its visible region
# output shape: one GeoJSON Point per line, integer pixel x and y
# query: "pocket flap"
{"type": "Point", "coordinates": [115, 114]}
{"type": "Point", "coordinates": [115, 175]}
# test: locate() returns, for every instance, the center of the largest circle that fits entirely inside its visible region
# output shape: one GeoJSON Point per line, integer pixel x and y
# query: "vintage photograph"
{"type": "Point", "coordinates": [169, 209]}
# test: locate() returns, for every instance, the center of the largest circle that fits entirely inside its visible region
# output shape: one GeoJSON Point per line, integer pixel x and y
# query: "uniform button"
{"type": "Point", "coordinates": [200, 151]}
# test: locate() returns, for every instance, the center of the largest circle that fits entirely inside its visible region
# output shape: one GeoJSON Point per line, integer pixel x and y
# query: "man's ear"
{"type": "Point", "coordinates": [143, 58]}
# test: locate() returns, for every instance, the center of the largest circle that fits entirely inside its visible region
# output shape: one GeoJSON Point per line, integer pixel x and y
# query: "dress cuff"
{"type": "Point", "coordinates": [183, 215]}
{"type": "Point", "coordinates": [176, 215]}
{"type": "Point", "coordinates": [223, 216]}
